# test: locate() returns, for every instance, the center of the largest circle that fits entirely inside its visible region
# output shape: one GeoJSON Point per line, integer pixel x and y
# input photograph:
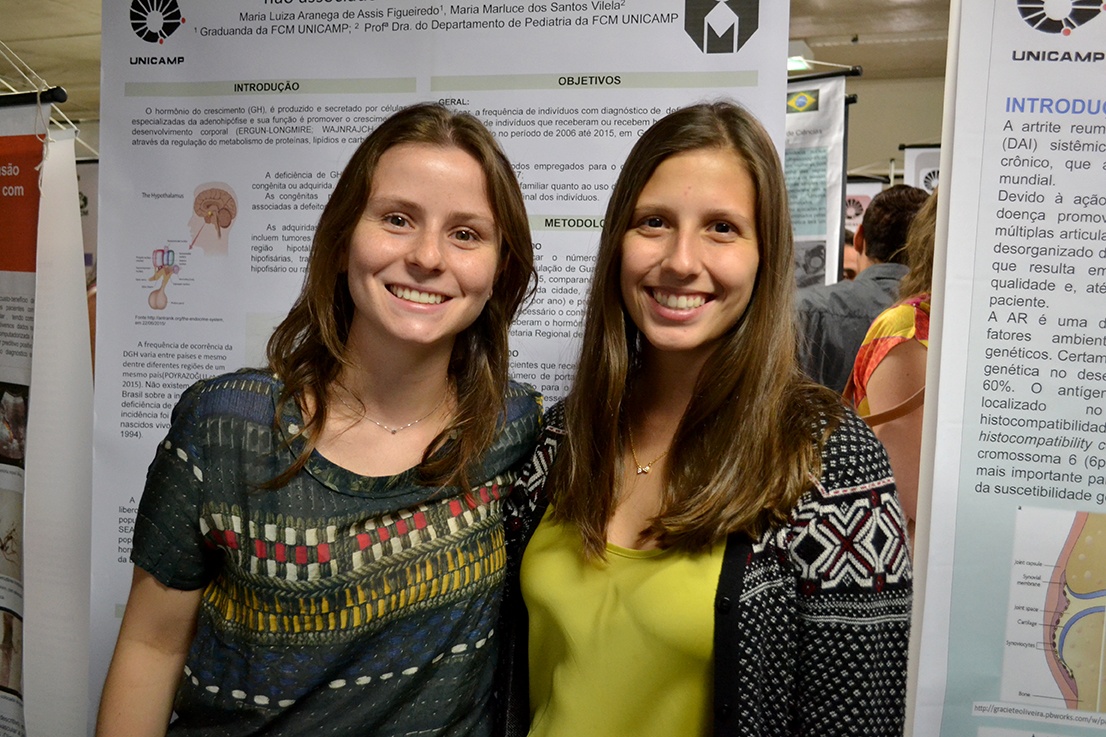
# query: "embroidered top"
{"type": "Point", "coordinates": [338, 603]}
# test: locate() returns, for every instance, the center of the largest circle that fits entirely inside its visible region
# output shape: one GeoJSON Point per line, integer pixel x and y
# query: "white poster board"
{"type": "Point", "coordinates": [258, 110]}
{"type": "Point", "coordinates": [1013, 639]}
{"type": "Point", "coordinates": [815, 167]}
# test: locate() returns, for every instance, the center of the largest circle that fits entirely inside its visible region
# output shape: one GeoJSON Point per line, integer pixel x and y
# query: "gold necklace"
{"type": "Point", "coordinates": [393, 430]}
{"type": "Point", "coordinates": [637, 464]}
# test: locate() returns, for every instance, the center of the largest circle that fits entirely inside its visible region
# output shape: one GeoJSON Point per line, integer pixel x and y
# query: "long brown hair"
{"type": "Point", "coordinates": [920, 239]}
{"type": "Point", "coordinates": [747, 445]}
{"type": "Point", "coordinates": [307, 349]}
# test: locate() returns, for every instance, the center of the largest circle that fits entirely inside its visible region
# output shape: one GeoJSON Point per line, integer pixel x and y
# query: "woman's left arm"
{"type": "Point", "coordinates": [854, 594]}
{"type": "Point", "coordinates": [896, 378]}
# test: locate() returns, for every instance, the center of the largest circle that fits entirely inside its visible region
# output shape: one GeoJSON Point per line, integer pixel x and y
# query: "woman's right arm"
{"type": "Point", "coordinates": [157, 630]}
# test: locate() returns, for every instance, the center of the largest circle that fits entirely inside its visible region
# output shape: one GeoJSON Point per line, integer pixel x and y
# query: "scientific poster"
{"type": "Point", "coordinates": [815, 167]}
{"type": "Point", "coordinates": [225, 126]}
{"type": "Point", "coordinates": [1013, 633]}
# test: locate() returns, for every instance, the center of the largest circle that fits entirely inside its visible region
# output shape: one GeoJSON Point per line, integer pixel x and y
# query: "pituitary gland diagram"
{"type": "Point", "coordinates": [1075, 627]}
{"type": "Point", "coordinates": [214, 209]}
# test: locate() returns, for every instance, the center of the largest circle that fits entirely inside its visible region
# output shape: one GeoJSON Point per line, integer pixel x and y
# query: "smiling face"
{"type": "Point", "coordinates": [423, 257]}
{"type": "Point", "coordinates": [690, 256]}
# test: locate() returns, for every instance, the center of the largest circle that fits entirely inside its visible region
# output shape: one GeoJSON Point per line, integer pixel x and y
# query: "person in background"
{"type": "Point", "coordinates": [833, 318]}
{"type": "Point", "coordinates": [848, 256]}
{"type": "Point", "coordinates": [686, 553]}
{"type": "Point", "coordinates": [887, 385]}
{"type": "Point", "coordinates": [319, 548]}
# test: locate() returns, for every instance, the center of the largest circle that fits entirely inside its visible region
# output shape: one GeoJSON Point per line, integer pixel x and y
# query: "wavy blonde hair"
{"type": "Point", "coordinates": [920, 240]}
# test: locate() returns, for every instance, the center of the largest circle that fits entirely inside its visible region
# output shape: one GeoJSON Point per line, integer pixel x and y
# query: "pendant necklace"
{"type": "Point", "coordinates": [637, 464]}
{"type": "Point", "coordinates": [393, 430]}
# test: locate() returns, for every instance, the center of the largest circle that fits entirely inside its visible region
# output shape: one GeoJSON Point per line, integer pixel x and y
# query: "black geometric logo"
{"type": "Point", "coordinates": [155, 20]}
{"type": "Point", "coordinates": [1042, 14]}
{"type": "Point", "coordinates": [721, 26]}
{"type": "Point", "coordinates": [929, 180]}
{"type": "Point", "coordinates": [855, 207]}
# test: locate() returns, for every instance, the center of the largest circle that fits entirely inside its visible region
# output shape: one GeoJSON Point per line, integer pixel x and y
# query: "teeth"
{"type": "Point", "coordinates": [679, 301]}
{"type": "Point", "coordinates": [413, 295]}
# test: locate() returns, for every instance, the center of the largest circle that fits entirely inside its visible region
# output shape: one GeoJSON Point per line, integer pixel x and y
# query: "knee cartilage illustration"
{"type": "Point", "coordinates": [1074, 625]}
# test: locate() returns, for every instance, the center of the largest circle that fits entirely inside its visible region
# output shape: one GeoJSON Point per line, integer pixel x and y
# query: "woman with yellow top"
{"type": "Point", "coordinates": [887, 385]}
{"type": "Point", "coordinates": [706, 542]}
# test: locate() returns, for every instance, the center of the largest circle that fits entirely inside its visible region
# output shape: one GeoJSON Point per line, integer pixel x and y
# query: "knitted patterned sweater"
{"type": "Point", "coordinates": [337, 604]}
{"type": "Point", "coordinates": [812, 620]}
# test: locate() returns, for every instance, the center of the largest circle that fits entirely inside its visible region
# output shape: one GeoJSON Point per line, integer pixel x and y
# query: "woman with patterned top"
{"type": "Point", "coordinates": [706, 543]}
{"type": "Point", "coordinates": [319, 548]}
{"type": "Point", "coordinates": [887, 385]}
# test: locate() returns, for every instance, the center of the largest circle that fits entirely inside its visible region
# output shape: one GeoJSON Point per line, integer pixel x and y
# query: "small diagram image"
{"type": "Point", "coordinates": [165, 266]}
{"type": "Point", "coordinates": [13, 424]}
{"type": "Point", "coordinates": [11, 540]}
{"type": "Point", "coordinates": [11, 652]}
{"type": "Point", "coordinates": [810, 263]}
{"type": "Point", "coordinates": [214, 209]}
{"type": "Point", "coordinates": [1076, 607]}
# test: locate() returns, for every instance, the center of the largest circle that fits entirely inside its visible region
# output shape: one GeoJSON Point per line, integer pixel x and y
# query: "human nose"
{"type": "Point", "coordinates": [426, 251]}
{"type": "Point", "coordinates": [682, 258]}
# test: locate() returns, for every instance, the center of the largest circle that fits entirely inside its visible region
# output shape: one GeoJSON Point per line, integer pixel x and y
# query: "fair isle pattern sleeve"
{"type": "Point", "coordinates": [846, 541]}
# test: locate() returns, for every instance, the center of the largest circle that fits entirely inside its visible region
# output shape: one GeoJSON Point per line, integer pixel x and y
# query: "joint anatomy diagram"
{"type": "Point", "coordinates": [1074, 630]}
{"type": "Point", "coordinates": [1055, 640]}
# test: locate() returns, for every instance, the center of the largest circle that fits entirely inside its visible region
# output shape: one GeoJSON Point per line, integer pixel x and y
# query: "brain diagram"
{"type": "Point", "coordinates": [214, 209]}
{"type": "Point", "coordinates": [217, 207]}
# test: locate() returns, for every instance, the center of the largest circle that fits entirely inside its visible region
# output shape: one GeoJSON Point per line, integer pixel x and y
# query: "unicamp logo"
{"type": "Point", "coordinates": [1058, 16]}
{"type": "Point", "coordinates": [721, 26]}
{"type": "Point", "coordinates": [154, 21]}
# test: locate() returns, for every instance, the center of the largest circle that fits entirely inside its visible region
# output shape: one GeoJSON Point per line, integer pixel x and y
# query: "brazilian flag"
{"type": "Point", "coordinates": [804, 101]}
